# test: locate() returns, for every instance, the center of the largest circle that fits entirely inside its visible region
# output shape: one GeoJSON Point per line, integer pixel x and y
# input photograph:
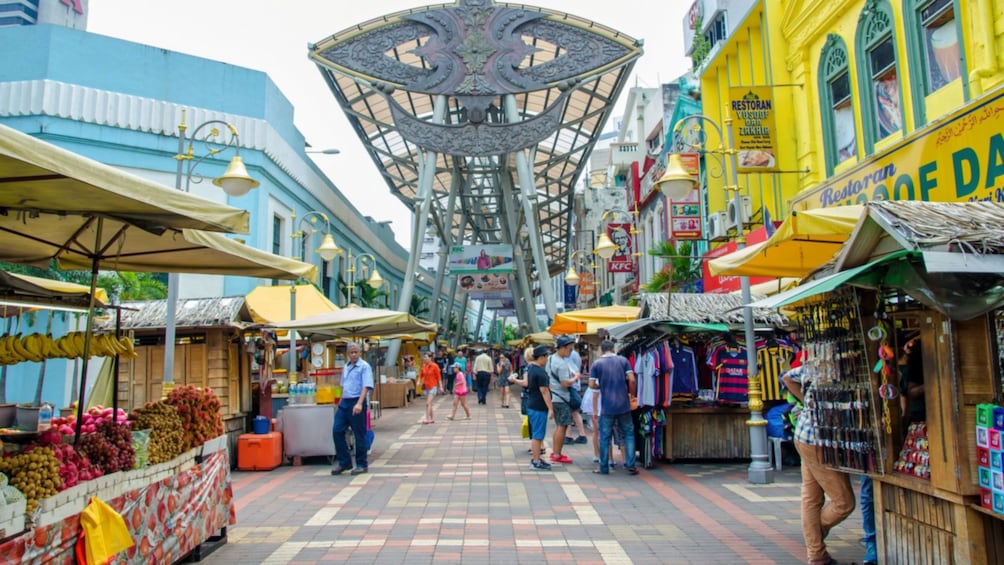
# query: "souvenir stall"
{"type": "Point", "coordinates": [300, 422]}
{"type": "Point", "coordinates": [905, 341]}
{"type": "Point", "coordinates": [690, 365]}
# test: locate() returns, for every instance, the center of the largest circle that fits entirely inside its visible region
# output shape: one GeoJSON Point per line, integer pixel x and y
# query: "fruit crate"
{"type": "Point", "coordinates": [12, 518]}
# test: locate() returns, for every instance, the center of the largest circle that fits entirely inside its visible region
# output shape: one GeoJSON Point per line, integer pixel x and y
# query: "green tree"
{"type": "Point", "coordinates": [419, 306]}
{"type": "Point", "coordinates": [681, 268]}
{"type": "Point", "coordinates": [700, 45]}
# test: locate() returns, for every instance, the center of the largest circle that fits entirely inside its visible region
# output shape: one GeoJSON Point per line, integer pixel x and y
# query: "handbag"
{"type": "Point", "coordinates": [574, 398]}
{"type": "Point", "coordinates": [524, 431]}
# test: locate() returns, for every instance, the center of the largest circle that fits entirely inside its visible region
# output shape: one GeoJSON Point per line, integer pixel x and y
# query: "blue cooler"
{"type": "Point", "coordinates": [261, 425]}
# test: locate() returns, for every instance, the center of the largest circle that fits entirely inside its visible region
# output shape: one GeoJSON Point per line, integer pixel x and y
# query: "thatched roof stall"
{"type": "Point", "coordinates": [225, 311]}
{"type": "Point", "coordinates": [691, 308]}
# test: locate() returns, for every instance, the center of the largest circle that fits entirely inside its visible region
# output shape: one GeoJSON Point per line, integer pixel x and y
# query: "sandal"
{"type": "Point", "coordinates": [598, 472]}
{"type": "Point", "coordinates": [449, 418]}
{"type": "Point", "coordinates": [632, 470]}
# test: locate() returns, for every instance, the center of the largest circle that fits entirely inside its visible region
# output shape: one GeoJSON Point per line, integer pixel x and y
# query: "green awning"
{"type": "Point", "coordinates": [829, 283]}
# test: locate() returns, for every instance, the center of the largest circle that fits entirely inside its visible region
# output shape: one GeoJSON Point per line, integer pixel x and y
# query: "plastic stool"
{"type": "Point", "coordinates": [775, 451]}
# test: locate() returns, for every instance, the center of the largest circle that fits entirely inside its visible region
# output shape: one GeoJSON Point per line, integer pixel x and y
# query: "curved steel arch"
{"type": "Point", "coordinates": [523, 95]}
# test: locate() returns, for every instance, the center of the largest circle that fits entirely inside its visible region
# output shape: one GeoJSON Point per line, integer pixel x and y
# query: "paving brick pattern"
{"type": "Point", "coordinates": [463, 491]}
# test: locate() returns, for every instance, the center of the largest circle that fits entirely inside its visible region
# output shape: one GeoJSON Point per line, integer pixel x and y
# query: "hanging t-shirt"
{"type": "Point", "coordinates": [644, 370]}
{"type": "Point", "coordinates": [684, 380]}
{"type": "Point", "coordinates": [772, 362]}
{"type": "Point", "coordinates": [732, 369]}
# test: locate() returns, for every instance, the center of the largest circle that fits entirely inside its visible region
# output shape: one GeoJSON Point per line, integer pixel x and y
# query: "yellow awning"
{"type": "Point", "coordinates": [270, 304]}
{"type": "Point", "coordinates": [800, 245]}
{"type": "Point", "coordinates": [590, 320]}
{"type": "Point", "coordinates": [770, 288]}
{"type": "Point", "coordinates": [49, 287]}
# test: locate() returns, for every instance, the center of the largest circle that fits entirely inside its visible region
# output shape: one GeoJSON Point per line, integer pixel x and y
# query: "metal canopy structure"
{"type": "Point", "coordinates": [481, 118]}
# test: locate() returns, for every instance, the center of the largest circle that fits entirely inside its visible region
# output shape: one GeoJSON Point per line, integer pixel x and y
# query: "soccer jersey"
{"type": "Point", "coordinates": [732, 369]}
{"type": "Point", "coordinates": [772, 362]}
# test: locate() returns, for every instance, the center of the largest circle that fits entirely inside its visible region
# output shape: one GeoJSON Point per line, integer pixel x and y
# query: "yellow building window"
{"type": "Point", "coordinates": [840, 138]}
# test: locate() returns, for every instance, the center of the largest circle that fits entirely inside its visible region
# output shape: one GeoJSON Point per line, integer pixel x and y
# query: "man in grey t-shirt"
{"type": "Point", "coordinates": [560, 378]}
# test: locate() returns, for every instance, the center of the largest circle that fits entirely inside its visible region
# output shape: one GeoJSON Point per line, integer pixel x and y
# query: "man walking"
{"type": "Point", "coordinates": [357, 382]}
{"type": "Point", "coordinates": [611, 374]}
{"type": "Point", "coordinates": [575, 365]}
{"type": "Point", "coordinates": [818, 480]}
{"type": "Point", "coordinates": [561, 378]}
{"type": "Point", "coordinates": [483, 373]}
{"type": "Point", "coordinates": [538, 402]}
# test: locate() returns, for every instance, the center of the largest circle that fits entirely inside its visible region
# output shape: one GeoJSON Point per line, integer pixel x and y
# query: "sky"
{"type": "Point", "coordinates": [272, 36]}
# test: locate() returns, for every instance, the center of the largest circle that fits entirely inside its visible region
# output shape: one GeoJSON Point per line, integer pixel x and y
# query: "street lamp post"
{"type": "Point", "coordinates": [363, 262]}
{"type": "Point", "coordinates": [606, 248]}
{"type": "Point", "coordinates": [328, 251]}
{"type": "Point", "coordinates": [235, 182]}
{"type": "Point", "coordinates": [572, 277]}
{"type": "Point", "coordinates": [676, 183]}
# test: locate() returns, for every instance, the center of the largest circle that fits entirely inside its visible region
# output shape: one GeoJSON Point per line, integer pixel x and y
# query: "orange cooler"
{"type": "Point", "coordinates": [259, 452]}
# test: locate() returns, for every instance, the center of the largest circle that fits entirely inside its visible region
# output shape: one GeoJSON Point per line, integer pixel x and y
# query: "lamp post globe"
{"type": "Point", "coordinates": [236, 181]}
{"type": "Point", "coordinates": [676, 183]}
{"type": "Point", "coordinates": [605, 248]}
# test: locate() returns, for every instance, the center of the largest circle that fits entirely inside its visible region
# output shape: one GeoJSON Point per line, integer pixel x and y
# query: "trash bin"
{"type": "Point", "coordinates": [261, 425]}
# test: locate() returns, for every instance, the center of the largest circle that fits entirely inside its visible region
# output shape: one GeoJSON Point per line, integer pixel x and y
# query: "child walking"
{"type": "Point", "coordinates": [431, 382]}
{"type": "Point", "coordinates": [459, 392]}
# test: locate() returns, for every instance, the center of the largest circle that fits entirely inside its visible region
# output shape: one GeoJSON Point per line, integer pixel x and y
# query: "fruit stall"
{"type": "Point", "coordinates": [164, 467]}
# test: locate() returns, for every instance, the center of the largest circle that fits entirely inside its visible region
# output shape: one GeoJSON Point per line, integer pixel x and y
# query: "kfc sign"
{"type": "Point", "coordinates": [622, 261]}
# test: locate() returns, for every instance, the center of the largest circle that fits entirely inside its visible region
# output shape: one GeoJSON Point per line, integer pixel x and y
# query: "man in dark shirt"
{"type": "Point", "coordinates": [539, 408]}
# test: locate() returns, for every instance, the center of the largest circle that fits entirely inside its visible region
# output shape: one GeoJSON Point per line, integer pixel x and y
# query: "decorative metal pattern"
{"type": "Point", "coordinates": [478, 139]}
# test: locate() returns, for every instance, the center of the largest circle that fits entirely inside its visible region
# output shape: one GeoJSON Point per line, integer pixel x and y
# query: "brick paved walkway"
{"type": "Point", "coordinates": [463, 491]}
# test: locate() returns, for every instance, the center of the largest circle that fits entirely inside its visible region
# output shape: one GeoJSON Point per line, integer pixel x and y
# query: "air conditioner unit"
{"type": "Point", "coordinates": [747, 211]}
{"type": "Point", "coordinates": [718, 228]}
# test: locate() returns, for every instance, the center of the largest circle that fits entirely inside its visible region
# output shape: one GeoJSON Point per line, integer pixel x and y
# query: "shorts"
{"type": "Point", "coordinates": [538, 423]}
{"type": "Point", "coordinates": [430, 391]}
{"type": "Point", "coordinates": [562, 414]}
{"type": "Point", "coordinates": [502, 381]}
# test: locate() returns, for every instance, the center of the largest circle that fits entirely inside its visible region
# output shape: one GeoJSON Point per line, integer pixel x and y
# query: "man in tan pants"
{"type": "Point", "coordinates": [818, 480]}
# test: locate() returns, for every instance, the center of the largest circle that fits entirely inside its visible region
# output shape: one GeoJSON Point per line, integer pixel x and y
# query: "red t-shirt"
{"type": "Point", "coordinates": [430, 376]}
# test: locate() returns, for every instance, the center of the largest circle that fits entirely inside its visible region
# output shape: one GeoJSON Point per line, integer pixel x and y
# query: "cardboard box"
{"type": "Point", "coordinates": [987, 498]}
{"type": "Point", "coordinates": [984, 415]}
{"type": "Point", "coordinates": [259, 452]}
{"type": "Point", "coordinates": [983, 457]}
{"type": "Point", "coordinates": [985, 479]}
{"type": "Point", "coordinates": [982, 436]}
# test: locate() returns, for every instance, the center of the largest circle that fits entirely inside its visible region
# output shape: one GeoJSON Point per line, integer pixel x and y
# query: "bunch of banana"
{"type": "Point", "coordinates": [8, 355]}
{"type": "Point", "coordinates": [35, 347]}
{"type": "Point", "coordinates": [71, 345]}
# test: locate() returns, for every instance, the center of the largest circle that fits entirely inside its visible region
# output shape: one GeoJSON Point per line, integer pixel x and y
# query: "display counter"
{"type": "Point", "coordinates": [170, 510]}
{"type": "Point", "coordinates": [306, 429]}
{"type": "Point", "coordinates": [393, 395]}
{"type": "Point", "coordinates": [706, 432]}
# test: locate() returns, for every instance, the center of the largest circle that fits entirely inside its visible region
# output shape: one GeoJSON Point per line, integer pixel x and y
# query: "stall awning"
{"type": "Point", "coordinates": [803, 243]}
{"type": "Point", "coordinates": [825, 284]}
{"type": "Point", "coordinates": [359, 322]}
{"type": "Point", "coordinates": [621, 331]}
{"type": "Point", "coordinates": [590, 320]}
{"type": "Point", "coordinates": [270, 304]}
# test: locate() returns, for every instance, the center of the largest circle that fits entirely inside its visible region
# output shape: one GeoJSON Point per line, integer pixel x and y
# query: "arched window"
{"type": "Point", "coordinates": [878, 70]}
{"type": "Point", "coordinates": [935, 57]}
{"type": "Point", "coordinates": [840, 139]}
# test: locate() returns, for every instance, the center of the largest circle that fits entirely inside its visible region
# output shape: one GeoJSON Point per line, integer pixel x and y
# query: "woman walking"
{"type": "Point", "coordinates": [459, 392]}
{"type": "Point", "coordinates": [502, 372]}
{"type": "Point", "coordinates": [431, 382]}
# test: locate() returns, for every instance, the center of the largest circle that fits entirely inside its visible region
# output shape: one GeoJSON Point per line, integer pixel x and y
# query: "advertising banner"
{"type": "Point", "coordinates": [486, 283]}
{"type": "Point", "coordinates": [587, 284]}
{"type": "Point", "coordinates": [685, 214]}
{"type": "Point", "coordinates": [571, 295]}
{"type": "Point", "coordinates": [622, 260]}
{"type": "Point", "coordinates": [753, 128]}
{"type": "Point", "coordinates": [476, 259]}
{"type": "Point", "coordinates": [724, 284]}
{"type": "Point", "coordinates": [959, 159]}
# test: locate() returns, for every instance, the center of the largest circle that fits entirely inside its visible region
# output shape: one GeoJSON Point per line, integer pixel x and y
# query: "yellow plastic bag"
{"type": "Point", "coordinates": [524, 431]}
{"type": "Point", "coordinates": [105, 531]}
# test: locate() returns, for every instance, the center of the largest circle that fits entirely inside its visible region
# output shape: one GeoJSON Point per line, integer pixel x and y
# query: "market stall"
{"type": "Point", "coordinates": [905, 336]}
{"type": "Point", "coordinates": [689, 359]}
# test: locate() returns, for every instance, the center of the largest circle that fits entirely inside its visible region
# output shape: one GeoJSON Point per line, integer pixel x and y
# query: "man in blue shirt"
{"type": "Point", "coordinates": [357, 382]}
{"type": "Point", "coordinates": [611, 374]}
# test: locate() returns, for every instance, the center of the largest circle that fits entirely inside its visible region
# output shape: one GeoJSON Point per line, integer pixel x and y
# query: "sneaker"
{"type": "Point", "coordinates": [561, 458]}
{"type": "Point", "coordinates": [540, 465]}
{"type": "Point", "coordinates": [581, 439]}
{"type": "Point", "coordinates": [596, 459]}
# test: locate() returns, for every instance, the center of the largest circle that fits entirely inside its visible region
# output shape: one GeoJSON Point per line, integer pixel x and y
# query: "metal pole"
{"type": "Point", "coordinates": [167, 381]}
{"type": "Point", "coordinates": [760, 471]}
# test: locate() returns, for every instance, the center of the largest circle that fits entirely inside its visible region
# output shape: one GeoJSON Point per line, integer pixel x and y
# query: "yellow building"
{"type": "Point", "coordinates": [875, 99]}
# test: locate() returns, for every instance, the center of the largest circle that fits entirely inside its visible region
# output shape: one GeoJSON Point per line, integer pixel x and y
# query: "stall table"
{"type": "Point", "coordinates": [706, 432]}
{"type": "Point", "coordinates": [306, 430]}
{"type": "Point", "coordinates": [393, 395]}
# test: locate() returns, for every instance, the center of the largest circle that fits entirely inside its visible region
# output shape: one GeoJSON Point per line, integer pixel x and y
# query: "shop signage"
{"type": "Point", "coordinates": [476, 259]}
{"type": "Point", "coordinates": [695, 14]}
{"type": "Point", "coordinates": [685, 214]}
{"type": "Point", "coordinates": [571, 295]}
{"type": "Point", "coordinates": [587, 284]}
{"type": "Point", "coordinates": [75, 4]}
{"type": "Point", "coordinates": [960, 159]}
{"type": "Point", "coordinates": [622, 260]}
{"type": "Point", "coordinates": [753, 128]}
{"type": "Point", "coordinates": [724, 284]}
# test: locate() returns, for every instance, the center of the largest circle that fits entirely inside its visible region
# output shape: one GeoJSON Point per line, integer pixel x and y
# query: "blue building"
{"type": "Point", "coordinates": [120, 103]}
